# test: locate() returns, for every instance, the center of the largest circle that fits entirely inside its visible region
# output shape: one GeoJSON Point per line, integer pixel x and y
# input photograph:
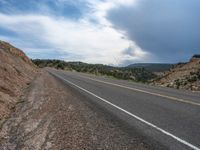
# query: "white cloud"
{"type": "Point", "coordinates": [94, 43]}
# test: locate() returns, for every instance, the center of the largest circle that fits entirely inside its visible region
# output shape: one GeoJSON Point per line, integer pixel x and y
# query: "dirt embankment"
{"type": "Point", "coordinates": [16, 72]}
{"type": "Point", "coordinates": [183, 76]}
{"type": "Point", "coordinates": [53, 116]}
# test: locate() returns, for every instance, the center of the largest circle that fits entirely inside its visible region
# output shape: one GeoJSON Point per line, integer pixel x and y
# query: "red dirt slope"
{"type": "Point", "coordinates": [16, 72]}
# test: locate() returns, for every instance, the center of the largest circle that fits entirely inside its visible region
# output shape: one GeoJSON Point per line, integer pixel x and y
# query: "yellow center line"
{"type": "Point", "coordinates": [147, 92]}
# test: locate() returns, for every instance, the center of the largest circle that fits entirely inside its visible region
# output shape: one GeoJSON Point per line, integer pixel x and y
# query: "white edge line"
{"type": "Point", "coordinates": [136, 117]}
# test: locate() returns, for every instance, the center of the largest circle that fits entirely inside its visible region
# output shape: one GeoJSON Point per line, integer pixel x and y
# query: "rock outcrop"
{"type": "Point", "coordinates": [183, 75]}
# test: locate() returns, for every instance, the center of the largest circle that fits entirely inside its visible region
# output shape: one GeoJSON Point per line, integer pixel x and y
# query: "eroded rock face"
{"type": "Point", "coordinates": [16, 72]}
{"type": "Point", "coordinates": [14, 51]}
{"type": "Point", "coordinates": [183, 76]}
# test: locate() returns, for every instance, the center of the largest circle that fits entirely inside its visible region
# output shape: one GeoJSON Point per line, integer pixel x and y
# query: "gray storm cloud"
{"type": "Point", "coordinates": [169, 29]}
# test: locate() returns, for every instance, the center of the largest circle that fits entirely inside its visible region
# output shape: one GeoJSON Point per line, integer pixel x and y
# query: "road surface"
{"type": "Point", "coordinates": [168, 116]}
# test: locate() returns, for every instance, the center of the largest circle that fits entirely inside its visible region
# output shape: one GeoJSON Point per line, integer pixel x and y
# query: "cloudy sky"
{"type": "Point", "coordinates": [114, 32]}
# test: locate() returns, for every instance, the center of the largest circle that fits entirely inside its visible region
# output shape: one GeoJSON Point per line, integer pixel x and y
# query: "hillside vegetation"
{"type": "Point", "coordinates": [153, 67]}
{"type": "Point", "coordinates": [183, 75]}
{"type": "Point", "coordinates": [16, 71]}
{"type": "Point", "coordinates": [136, 74]}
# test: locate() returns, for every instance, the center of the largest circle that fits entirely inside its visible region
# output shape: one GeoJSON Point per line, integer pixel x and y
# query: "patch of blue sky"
{"type": "Point", "coordinates": [67, 9]}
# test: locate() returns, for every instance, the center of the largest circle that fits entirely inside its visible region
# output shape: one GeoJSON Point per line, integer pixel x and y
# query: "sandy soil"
{"type": "Point", "coordinates": [51, 116]}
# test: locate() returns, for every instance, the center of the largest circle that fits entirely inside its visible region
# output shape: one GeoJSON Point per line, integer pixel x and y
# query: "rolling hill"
{"type": "Point", "coordinates": [135, 74]}
{"type": "Point", "coordinates": [153, 67]}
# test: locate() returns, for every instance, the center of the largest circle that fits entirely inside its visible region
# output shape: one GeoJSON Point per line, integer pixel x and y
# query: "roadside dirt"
{"type": "Point", "coordinates": [50, 116]}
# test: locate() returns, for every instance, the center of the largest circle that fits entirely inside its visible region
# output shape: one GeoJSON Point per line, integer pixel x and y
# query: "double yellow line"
{"type": "Point", "coordinates": [146, 92]}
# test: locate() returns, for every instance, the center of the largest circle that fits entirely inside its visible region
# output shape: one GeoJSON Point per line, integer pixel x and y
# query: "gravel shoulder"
{"type": "Point", "coordinates": [52, 116]}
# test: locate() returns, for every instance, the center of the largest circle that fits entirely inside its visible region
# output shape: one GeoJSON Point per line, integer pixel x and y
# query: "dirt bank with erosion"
{"type": "Point", "coordinates": [16, 72]}
{"type": "Point", "coordinates": [51, 115]}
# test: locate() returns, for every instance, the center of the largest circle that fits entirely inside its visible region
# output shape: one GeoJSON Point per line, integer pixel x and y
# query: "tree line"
{"type": "Point", "coordinates": [135, 74]}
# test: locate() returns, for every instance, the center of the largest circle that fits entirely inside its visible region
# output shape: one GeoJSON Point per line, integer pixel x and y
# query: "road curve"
{"type": "Point", "coordinates": [168, 116]}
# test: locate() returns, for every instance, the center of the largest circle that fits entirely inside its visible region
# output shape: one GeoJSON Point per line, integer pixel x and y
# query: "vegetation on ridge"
{"type": "Point", "coordinates": [136, 74]}
{"type": "Point", "coordinates": [153, 67]}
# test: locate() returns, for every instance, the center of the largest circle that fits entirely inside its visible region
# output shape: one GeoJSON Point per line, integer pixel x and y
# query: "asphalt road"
{"type": "Point", "coordinates": [168, 116]}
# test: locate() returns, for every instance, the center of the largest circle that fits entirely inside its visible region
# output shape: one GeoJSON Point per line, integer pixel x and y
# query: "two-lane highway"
{"type": "Point", "coordinates": [169, 116]}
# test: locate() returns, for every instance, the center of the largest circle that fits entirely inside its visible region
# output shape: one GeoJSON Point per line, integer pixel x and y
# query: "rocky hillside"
{"type": "Point", "coordinates": [16, 72]}
{"type": "Point", "coordinates": [183, 75]}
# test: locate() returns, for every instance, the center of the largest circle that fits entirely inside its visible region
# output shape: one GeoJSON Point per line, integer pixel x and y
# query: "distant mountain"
{"type": "Point", "coordinates": [182, 75]}
{"type": "Point", "coordinates": [135, 74]}
{"type": "Point", "coordinates": [153, 67]}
